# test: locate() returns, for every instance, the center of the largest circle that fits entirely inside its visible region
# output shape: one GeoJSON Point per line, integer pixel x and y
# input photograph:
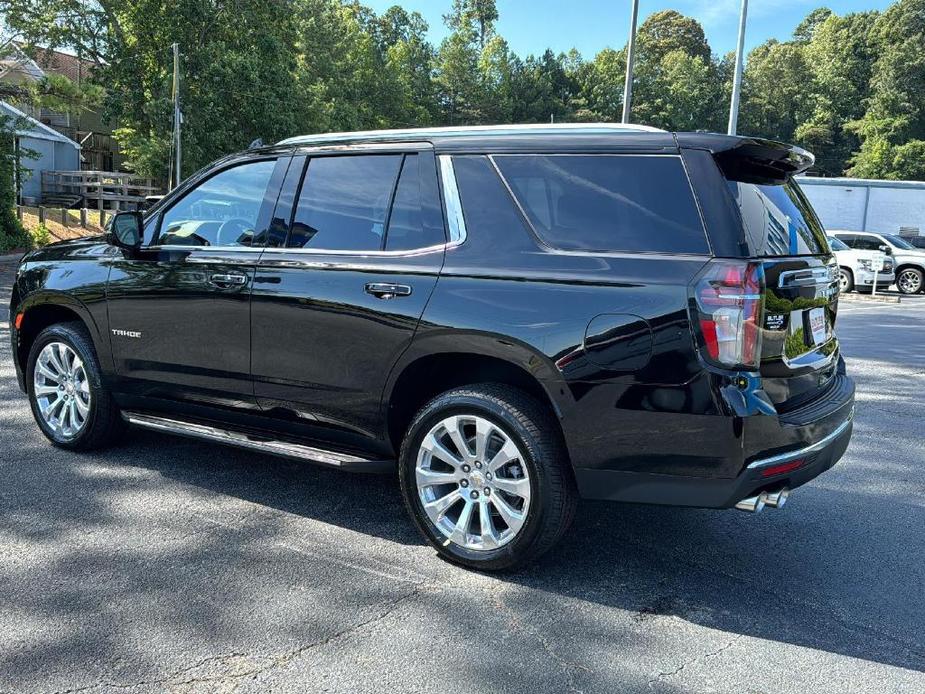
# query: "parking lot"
{"type": "Point", "coordinates": [166, 564]}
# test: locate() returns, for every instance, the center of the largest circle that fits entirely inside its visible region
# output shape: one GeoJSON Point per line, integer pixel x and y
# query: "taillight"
{"type": "Point", "coordinates": [727, 297]}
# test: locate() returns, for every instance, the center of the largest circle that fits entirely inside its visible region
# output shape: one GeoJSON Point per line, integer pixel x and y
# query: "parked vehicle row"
{"type": "Point", "coordinates": [908, 261]}
{"type": "Point", "coordinates": [513, 317]}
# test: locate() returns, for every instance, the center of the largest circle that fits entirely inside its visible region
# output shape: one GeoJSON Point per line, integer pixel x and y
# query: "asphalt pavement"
{"type": "Point", "coordinates": [170, 565]}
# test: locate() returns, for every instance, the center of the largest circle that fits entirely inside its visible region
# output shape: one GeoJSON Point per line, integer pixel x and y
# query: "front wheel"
{"type": "Point", "coordinates": [69, 401]}
{"type": "Point", "coordinates": [910, 281]}
{"type": "Point", "coordinates": [485, 477]}
{"type": "Point", "coordinates": [845, 280]}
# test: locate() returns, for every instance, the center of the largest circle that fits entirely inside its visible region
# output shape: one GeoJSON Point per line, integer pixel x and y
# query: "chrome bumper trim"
{"type": "Point", "coordinates": [814, 448]}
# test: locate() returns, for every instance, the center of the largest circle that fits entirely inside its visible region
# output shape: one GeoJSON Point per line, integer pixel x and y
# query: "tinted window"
{"type": "Point", "coordinates": [837, 245]}
{"type": "Point", "coordinates": [899, 243]}
{"type": "Point", "coordinates": [407, 227]}
{"type": "Point", "coordinates": [778, 219]}
{"type": "Point", "coordinates": [607, 202]}
{"type": "Point", "coordinates": [868, 243]}
{"type": "Point", "coordinates": [344, 202]}
{"type": "Point", "coordinates": [221, 211]}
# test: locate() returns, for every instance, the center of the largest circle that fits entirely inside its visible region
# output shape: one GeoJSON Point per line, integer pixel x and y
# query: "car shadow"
{"type": "Point", "coordinates": [796, 576]}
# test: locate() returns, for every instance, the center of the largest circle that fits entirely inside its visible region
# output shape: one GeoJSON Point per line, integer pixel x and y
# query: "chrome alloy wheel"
{"type": "Point", "coordinates": [61, 388]}
{"type": "Point", "coordinates": [473, 483]}
{"type": "Point", "coordinates": [909, 281]}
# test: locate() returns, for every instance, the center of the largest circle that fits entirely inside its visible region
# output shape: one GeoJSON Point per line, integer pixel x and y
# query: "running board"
{"type": "Point", "coordinates": [286, 449]}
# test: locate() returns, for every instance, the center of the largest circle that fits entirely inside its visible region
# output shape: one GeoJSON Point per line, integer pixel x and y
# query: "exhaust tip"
{"type": "Point", "coordinates": [753, 504]}
{"type": "Point", "coordinates": [777, 499]}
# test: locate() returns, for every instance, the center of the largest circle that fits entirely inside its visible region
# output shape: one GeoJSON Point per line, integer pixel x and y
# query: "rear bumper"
{"type": "Point", "coordinates": [788, 451]}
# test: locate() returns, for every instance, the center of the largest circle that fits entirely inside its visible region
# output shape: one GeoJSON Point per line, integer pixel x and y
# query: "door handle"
{"type": "Point", "coordinates": [387, 290]}
{"type": "Point", "coordinates": [228, 280]}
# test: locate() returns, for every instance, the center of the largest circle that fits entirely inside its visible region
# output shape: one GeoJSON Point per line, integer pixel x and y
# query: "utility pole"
{"type": "Point", "coordinates": [177, 118]}
{"type": "Point", "coordinates": [737, 76]}
{"type": "Point", "coordinates": [630, 50]}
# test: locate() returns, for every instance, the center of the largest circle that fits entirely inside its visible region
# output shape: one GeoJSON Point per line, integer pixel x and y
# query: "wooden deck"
{"type": "Point", "coordinates": [101, 190]}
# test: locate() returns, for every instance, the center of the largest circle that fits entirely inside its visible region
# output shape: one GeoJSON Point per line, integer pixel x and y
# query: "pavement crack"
{"type": "Point", "coordinates": [515, 624]}
{"type": "Point", "coordinates": [693, 661]}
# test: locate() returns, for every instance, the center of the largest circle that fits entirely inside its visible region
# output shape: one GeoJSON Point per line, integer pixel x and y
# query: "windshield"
{"type": "Point", "coordinates": [837, 244]}
{"type": "Point", "coordinates": [898, 242]}
{"type": "Point", "coordinates": [778, 219]}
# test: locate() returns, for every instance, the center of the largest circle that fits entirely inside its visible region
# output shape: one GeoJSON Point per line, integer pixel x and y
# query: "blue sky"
{"type": "Point", "coordinates": [530, 26]}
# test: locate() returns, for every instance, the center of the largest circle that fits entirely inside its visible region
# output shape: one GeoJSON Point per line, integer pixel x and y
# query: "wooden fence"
{"type": "Point", "coordinates": [101, 190]}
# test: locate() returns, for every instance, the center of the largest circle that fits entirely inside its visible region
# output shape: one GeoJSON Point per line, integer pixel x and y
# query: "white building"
{"type": "Point", "coordinates": [858, 204]}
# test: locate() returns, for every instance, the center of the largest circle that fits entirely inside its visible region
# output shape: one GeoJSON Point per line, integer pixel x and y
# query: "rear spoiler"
{"type": "Point", "coordinates": [751, 159]}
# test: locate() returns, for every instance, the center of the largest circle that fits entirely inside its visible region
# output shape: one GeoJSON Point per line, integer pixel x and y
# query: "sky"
{"type": "Point", "coordinates": [531, 26]}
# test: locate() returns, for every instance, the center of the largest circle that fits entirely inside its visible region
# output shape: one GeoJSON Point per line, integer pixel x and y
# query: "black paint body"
{"type": "Point", "coordinates": [302, 350]}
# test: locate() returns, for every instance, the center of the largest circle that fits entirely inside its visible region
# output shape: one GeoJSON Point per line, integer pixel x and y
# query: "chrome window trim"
{"type": "Point", "coordinates": [301, 251]}
{"type": "Point", "coordinates": [819, 445]}
{"type": "Point", "coordinates": [456, 222]}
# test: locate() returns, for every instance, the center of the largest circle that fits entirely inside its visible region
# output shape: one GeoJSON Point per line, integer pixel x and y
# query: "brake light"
{"type": "Point", "coordinates": [727, 297]}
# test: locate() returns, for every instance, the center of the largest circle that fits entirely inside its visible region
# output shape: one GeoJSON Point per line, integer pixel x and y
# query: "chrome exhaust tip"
{"type": "Point", "coordinates": [777, 499]}
{"type": "Point", "coordinates": [752, 504]}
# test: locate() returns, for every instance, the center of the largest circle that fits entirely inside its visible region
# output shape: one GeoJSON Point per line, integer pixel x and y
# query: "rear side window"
{"type": "Point", "coordinates": [344, 203]}
{"type": "Point", "coordinates": [411, 221]}
{"type": "Point", "coordinates": [607, 202]}
{"type": "Point", "coordinates": [778, 219]}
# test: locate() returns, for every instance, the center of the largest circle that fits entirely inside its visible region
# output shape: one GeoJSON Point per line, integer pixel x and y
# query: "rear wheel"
{"type": "Point", "coordinates": [910, 280]}
{"type": "Point", "coordinates": [845, 280]}
{"type": "Point", "coordinates": [484, 476]}
{"type": "Point", "coordinates": [69, 402]}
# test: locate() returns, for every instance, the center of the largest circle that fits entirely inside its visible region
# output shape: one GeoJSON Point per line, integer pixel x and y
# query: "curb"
{"type": "Point", "coordinates": [881, 298]}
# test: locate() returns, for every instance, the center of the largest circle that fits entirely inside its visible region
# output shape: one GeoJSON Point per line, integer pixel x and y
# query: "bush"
{"type": "Point", "coordinates": [41, 236]}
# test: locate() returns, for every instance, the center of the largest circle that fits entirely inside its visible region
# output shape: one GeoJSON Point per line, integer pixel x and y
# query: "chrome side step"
{"type": "Point", "coordinates": [287, 449]}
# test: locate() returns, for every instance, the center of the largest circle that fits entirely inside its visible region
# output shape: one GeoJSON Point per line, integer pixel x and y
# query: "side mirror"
{"type": "Point", "coordinates": [127, 230]}
{"type": "Point", "coordinates": [886, 249]}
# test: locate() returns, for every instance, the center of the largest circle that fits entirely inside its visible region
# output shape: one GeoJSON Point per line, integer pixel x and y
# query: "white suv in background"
{"type": "Point", "coordinates": [908, 260]}
{"type": "Point", "coordinates": [856, 267]}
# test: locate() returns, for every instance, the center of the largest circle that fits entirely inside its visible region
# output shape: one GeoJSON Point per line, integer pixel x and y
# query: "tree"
{"type": "Point", "coordinates": [677, 84]}
{"type": "Point", "coordinates": [806, 29]}
{"type": "Point", "coordinates": [892, 128]}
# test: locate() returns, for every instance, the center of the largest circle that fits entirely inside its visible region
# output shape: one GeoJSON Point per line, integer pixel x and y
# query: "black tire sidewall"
{"type": "Point", "coordinates": [472, 404]}
{"type": "Point", "coordinates": [73, 338]}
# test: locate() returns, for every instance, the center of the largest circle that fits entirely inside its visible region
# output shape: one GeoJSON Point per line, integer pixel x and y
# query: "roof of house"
{"type": "Point", "coordinates": [72, 67]}
{"type": "Point", "coordinates": [35, 129]}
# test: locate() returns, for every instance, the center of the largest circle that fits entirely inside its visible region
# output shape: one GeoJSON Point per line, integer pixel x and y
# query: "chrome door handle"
{"type": "Point", "coordinates": [228, 280]}
{"type": "Point", "coordinates": [386, 290]}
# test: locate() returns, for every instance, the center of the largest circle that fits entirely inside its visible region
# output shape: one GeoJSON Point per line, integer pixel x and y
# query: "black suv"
{"type": "Point", "coordinates": [514, 317]}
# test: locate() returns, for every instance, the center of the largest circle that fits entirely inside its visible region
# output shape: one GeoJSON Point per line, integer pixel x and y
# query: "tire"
{"type": "Point", "coordinates": [93, 423]}
{"type": "Point", "coordinates": [910, 280]}
{"type": "Point", "coordinates": [845, 280]}
{"type": "Point", "coordinates": [540, 470]}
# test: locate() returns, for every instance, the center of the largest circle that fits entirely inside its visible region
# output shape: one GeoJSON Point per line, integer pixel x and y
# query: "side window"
{"type": "Point", "coordinates": [607, 202]}
{"type": "Point", "coordinates": [344, 202]}
{"type": "Point", "coordinates": [221, 211]}
{"type": "Point", "coordinates": [408, 225]}
{"type": "Point", "coordinates": [868, 243]}
{"type": "Point", "coordinates": [847, 239]}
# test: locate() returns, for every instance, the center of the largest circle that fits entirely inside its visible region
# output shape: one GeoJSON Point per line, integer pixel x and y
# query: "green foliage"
{"type": "Point", "coordinates": [41, 236]}
{"type": "Point", "coordinates": [12, 234]}
{"type": "Point", "coordinates": [851, 88]}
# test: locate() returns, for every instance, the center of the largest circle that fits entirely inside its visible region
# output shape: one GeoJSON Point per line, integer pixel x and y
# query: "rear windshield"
{"type": "Point", "coordinates": [607, 202]}
{"type": "Point", "coordinates": [778, 219]}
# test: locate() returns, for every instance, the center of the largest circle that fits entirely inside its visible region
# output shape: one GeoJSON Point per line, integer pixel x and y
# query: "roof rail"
{"type": "Point", "coordinates": [462, 131]}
